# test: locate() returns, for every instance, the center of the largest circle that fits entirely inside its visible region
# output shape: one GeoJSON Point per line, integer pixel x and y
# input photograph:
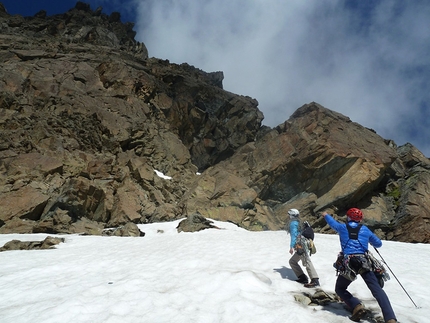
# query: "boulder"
{"type": "Point", "coordinates": [128, 230]}
{"type": "Point", "coordinates": [195, 222]}
{"type": "Point", "coordinates": [48, 243]}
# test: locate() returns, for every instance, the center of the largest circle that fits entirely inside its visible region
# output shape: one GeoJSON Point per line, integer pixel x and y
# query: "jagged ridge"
{"type": "Point", "coordinates": [87, 117]}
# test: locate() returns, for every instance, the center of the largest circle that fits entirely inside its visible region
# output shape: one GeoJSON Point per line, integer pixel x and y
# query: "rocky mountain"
{"type": "Point", "coordinates": [95, 134]}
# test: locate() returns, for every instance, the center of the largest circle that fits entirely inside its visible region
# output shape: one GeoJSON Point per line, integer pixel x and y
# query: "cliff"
{"type": "Point", "coordinates": [95, 134]}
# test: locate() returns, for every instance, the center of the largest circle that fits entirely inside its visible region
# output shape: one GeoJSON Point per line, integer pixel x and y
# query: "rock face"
{"type": "Point", "coordinates": [316, 160]}
{"type": "Point", "coordinates": [95, 135]}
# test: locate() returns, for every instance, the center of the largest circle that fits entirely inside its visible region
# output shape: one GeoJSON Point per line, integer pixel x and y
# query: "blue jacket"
{"type": "Point", "coordinates": [360, 246]}
{"type": "Point", "coordinates": [294, 231]}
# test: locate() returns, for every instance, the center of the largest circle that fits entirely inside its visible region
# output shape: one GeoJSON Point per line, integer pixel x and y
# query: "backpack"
{"type": "Point", "coordinates": [305, 240]}
{"type": "Point", "coordinates": [307, 231]}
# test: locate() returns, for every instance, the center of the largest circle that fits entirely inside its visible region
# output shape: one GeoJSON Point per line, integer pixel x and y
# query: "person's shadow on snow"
{"type": "Point", "coordinates": [286, 273]}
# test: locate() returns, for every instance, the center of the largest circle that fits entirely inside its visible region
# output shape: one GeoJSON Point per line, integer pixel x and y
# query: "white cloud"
{"type": "Point", "coordinates": [369, 63]}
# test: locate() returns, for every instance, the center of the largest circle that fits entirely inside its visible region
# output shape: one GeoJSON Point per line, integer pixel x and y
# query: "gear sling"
{"type": "Point", "coordinates": [350, 266]}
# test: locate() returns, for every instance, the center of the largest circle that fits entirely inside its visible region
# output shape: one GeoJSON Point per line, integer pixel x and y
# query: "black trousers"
{"type": "Point", "coordinates": [371, 281]}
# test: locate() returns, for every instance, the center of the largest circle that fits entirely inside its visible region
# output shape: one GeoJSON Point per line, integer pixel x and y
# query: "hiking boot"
{"type": "Point", "coordinates": [358, 312]}
{"type": "Point", "coordinates": [314, 283]}
{"type": "Point", "coordinates": [391, 321]}
{"type": "Point", "coordinates": [302, 279]}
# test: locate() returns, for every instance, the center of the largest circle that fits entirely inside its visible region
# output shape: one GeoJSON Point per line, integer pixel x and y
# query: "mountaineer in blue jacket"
{"type": "Point", "coordinates": [300, 254]}
{"type": "Point", "coordinates": [354, 240]}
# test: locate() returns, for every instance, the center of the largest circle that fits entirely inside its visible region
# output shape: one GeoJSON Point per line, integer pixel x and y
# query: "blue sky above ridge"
{"type": "Point", "coordinates": [369, 60]}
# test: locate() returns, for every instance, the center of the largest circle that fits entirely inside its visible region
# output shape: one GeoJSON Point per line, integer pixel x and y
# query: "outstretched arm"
{"type": "Point", "coordinates": [375, 241]}
{"type": "Point", "coordinates": [331, 222]}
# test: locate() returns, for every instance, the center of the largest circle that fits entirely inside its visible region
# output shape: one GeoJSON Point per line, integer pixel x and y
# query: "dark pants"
{"type": "Point", "coordinates": [371, 281]}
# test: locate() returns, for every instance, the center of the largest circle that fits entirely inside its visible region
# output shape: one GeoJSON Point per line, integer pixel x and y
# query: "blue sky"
{"type": "Point", "coordinates": [52, 7]}
{"type": "Point", "coordinates": [367, 59]}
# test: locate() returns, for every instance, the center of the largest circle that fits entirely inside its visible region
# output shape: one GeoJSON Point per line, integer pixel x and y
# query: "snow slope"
{"type": "Point", "coordinates": [226, 275]}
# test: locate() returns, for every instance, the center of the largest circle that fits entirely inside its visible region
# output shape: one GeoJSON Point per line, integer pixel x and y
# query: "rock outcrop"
{"type": "Point", "coordinates": [316, 160]}
{"type": "Point", "coordinates": [195, 222]}
{"type": "Point", "coordinates": [95, 134]}
{"type": "Point", "coordinates": [47, 243]}
{"type": "Point", "coordinates": [128, 230]}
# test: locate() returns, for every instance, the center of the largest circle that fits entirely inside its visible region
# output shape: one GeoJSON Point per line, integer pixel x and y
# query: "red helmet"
{"type": "Point", "coordinates": [355, 214]}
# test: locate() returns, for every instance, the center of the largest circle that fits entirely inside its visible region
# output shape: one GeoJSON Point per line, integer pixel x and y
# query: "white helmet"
{"type": "Point", "coordinates": [294, 213]}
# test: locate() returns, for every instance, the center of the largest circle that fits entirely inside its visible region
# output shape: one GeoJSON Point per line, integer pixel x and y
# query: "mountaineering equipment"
{"type": "Point", "coordinates": [302, 245]}
{"type": "Point", "coordinates": [357, 313]}
{"type": "Point", "coordinates": [314, 283]}
{"type": "Point", "coordinates": [352, 233]}
{"type": "Point", "coordinates": [302, 279]}
{"type": "Point", "coordinates": [309, 234]}
{"type": "Point", "coordinates": [294, 213]}
{"type": "Point", "coordinates": [395, 277]}
{"type": "Point", "coordinates": [380, 272]}
{"type": "Point", "coordinates": [352, 265]}
{"type": "Point", "coordinates": [305, 240]}
{"type": "Point", "coordinates": [307, 231]}
{"type": "Point", "coordinates": [312, 247]}
{"type": "Point", "coordinates": [355, 214]}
